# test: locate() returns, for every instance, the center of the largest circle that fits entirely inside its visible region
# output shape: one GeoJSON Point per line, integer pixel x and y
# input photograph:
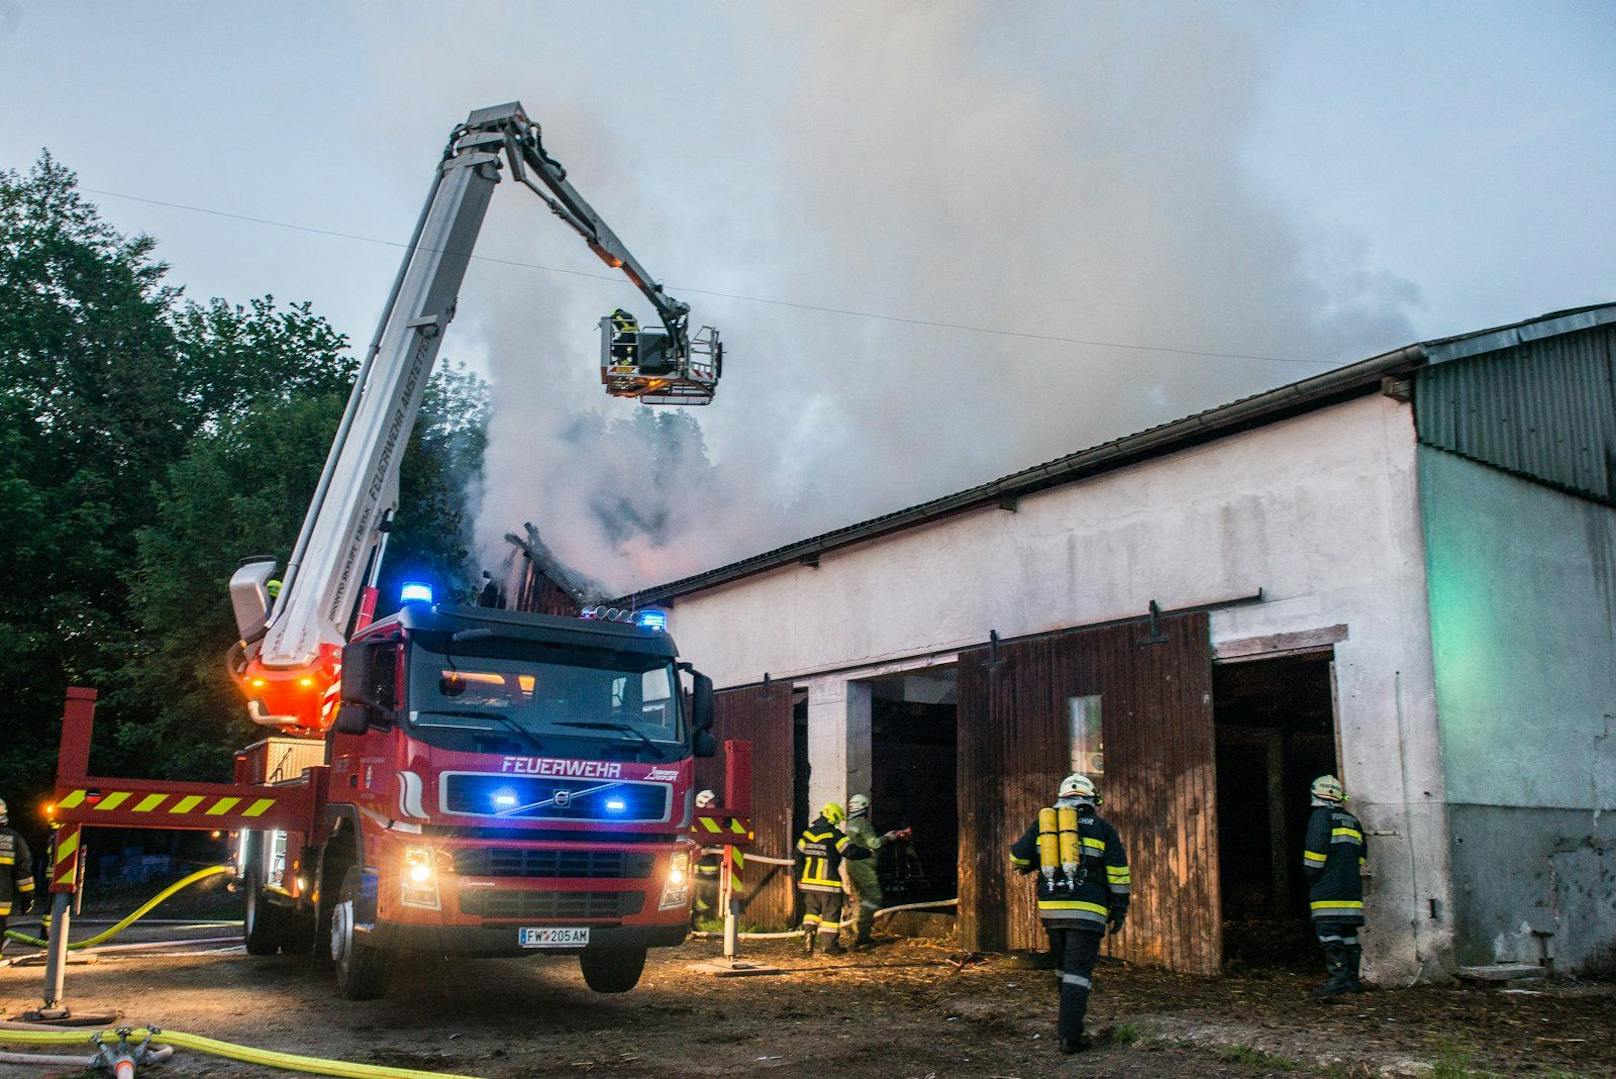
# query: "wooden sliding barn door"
{"type": "Point", "coordinates": [1146, 691]}
{"type": "Point", "coordinates": [762, 716]}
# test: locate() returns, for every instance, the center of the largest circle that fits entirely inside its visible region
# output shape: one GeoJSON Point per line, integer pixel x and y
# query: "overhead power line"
{"type": "Point", "coordinates": [844, 311]}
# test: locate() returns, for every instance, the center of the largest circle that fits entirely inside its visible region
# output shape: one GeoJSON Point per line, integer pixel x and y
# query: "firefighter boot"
{"type": "Point", "coordinates": [1354, 963]}
{"type": "Point", "coordinates": [808, 936]}
{"type": "Point", "coordinates": [1074, 1006]}
{"type": "Point", "coordinates": [834, 947]}
{"type": "Point", "coordinates": [1339, 981]}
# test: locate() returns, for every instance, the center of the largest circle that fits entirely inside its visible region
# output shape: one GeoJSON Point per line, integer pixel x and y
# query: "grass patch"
{"type": "Point", "coordinates": [1455, 1061]}
{"type": "Point", "coordinates": [1257, 1058]}
{"type": "Point", "coordinates": [1125, 1034]}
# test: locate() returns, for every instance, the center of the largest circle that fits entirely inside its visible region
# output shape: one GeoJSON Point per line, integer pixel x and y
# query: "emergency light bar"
{"type": "Point", "coordinates": [415, 592]}
{"type": "Point", "coordinates": [650, 618]}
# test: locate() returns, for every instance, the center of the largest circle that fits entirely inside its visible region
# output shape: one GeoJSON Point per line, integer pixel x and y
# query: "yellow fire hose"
{"type": "Point", "coordinates": [214, 1047]}
{"type": "Point", "coordinates": [139, 913]}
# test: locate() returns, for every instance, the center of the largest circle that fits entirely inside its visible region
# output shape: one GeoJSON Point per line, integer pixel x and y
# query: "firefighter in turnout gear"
{"type": "Point", "coordinates": [820, 850]}
{"type": "Point", "coordinates": [1083, 889]}
{"type": "Point", "coordinates": [861, 872]}
{"type": "Point", "coordinates": [708, 866]}
{"type": "Point", "coordinates": [625, 334]}
{"type": "Point", "coordinates": [1335, 854]}
{"type": "Point", "coordinates": [16, 874]}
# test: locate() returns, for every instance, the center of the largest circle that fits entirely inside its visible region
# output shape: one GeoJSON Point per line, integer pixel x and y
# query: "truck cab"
{"type": "Point", "coordinates": [497, 784]}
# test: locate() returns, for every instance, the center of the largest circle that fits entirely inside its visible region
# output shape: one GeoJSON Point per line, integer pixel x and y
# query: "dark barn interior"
{"type": "Point", "coordinates": [912, 763]}
{"type": "Point", "coordinates": [1275, 727]}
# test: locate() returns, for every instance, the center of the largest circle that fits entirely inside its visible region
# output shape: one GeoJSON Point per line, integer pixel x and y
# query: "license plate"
{"type": "Point", "coordinates": [550, 937]}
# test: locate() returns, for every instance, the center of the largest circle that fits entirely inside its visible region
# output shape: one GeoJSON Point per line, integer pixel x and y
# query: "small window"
{"type": "Point", "coordinates": [1087, 740]}
{"type": "Point", "coordinates": [654, 686]}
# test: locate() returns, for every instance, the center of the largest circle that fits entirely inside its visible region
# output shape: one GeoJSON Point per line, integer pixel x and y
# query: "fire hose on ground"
{"type": "Point", "coordinates": [139, 912]}
{"type": "Point", "coordinates": [138, 1038]}
{"type": "Point", "coordinates": [120, 1050]}
{"type": "Point", "coordinates": [846, 923]}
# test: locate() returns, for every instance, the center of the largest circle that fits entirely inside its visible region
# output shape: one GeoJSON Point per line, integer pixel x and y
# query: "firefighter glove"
{"type": "Point", "coordinates": [1116, 920]}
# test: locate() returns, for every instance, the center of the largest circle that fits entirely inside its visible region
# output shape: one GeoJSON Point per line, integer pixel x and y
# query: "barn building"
{"type": "Point", "coordinates": [1402, 571]}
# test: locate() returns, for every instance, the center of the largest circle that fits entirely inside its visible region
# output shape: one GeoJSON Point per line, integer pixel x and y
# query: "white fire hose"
{"type": "Point", "coordinates": [846, 923]}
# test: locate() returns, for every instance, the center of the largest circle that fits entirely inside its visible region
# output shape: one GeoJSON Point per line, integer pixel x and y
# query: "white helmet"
{"type": "Point", "coordinates": [705, 799]}
{"type": "Point", "coordinates": [3, 817]}
{"type": "Point", "coordinates": [1328, 789]}
{"type": "Point", "coordinates": [1078, 787]}
{"type": "Point", "coordinates": [858, 805]}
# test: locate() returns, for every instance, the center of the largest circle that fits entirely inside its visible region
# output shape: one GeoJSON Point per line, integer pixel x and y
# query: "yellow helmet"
{"type": "Point", "coordinates": [1329, 789]}
{"type": "Point", "coordinates": [833, 812]}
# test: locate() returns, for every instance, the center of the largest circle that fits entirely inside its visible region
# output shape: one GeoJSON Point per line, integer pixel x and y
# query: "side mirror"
{"type": "Point", "coordinates": [369, 686]}
{"type": "Point", "coordinates": [352, 718]}
{"type": "Point", "coordinates": [702, 745]}
{"type": "Point", "coordinates": [701, 702]}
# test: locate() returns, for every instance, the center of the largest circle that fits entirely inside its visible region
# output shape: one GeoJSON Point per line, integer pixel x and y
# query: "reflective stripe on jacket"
{"type": "Point", "coordinates": [1333, 857]}
{"type": "Point", "coordinates": [16, 870]}
{"type": "Point", "coordinates": [820, 850]}
{"type": "Point", "coordinates": [1105, 882]}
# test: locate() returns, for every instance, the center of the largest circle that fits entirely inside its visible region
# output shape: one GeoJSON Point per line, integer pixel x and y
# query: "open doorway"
{"type": "Point", "coordinates": [1274, 721]}
{"type": "Point", "coordinates": [800, 816]}
{"type": "Point", "coordinates": [912, 770]}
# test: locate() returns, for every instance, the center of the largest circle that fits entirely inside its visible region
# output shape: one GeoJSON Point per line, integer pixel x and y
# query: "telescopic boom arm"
{"type": "Point", "coordinates": [288, 657]}
{"type": "Point", "coordinates": [526, 152]}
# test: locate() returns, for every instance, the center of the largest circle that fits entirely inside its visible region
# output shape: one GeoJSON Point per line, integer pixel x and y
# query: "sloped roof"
{"type": "Point", "coordinates": [1295, 398]}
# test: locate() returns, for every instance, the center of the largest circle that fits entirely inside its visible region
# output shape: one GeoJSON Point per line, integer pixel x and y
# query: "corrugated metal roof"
{"type": "Point", "coordinates": [1343, 383]}
{"type": "Point", "coordinates": [1540, 407]}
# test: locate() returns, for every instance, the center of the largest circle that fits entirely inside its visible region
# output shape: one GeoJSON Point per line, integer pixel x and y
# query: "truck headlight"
{"type": "Point", "coordinates": [418, 866]}
{"type": "Point", "coordinates": [676, 892]}
{"type": "Point", "coordinates": [420, 878]}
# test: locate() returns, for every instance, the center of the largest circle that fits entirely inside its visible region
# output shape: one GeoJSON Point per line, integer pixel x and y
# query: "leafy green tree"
{"type": "Point", "coordinates": [91, 403]}
{"type": "Point", "coordinates": [241, 490]}
{"type": "Point", "coordinates": [146, 444]}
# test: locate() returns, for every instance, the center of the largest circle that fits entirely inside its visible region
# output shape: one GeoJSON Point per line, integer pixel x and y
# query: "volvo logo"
{"type": "Point", "coordinates": [561, 799]}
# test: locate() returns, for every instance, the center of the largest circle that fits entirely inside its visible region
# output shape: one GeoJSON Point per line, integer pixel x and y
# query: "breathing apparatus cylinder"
{"type": "Point", "coordinates": [1048, 844]}
{"type": "Point", "coordinates": [1071, 842]}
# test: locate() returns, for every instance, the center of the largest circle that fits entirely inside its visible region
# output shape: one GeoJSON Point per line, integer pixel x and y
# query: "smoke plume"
{"type": "Point", "coordinates": [1068, 171]}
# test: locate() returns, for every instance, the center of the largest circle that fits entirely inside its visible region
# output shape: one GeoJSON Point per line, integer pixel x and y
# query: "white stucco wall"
{"type": "Point", "coordinates": [1319, 511]}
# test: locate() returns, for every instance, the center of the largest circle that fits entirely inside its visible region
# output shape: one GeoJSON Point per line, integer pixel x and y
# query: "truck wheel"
{"type": "Point", "coordinates": [361, 970]}
{"type": "Point", "coordinates": [612, 970]}
{"type": "Point", "coordinates": [261, 925]}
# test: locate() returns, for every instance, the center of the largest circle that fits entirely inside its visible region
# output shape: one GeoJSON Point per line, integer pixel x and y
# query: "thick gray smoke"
{"type": "Point", "coordinates": [1072, 171]}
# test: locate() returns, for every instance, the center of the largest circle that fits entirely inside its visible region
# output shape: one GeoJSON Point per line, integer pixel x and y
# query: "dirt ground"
{"type": "Point", "coordinates": [901, 1011]}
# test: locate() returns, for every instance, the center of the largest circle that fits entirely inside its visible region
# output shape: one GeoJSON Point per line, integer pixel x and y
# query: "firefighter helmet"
{"type": "Point", "coordinates": [3, 817]}
{"type": "Point", "coordinates": [1329, 789]}
{"type": "Point", "coordinates": [858, 805]}
{"type": "Point", "coordinates": [705, 799]}
{"type": "Point", "coordinates": [1078, 785]}
{"type": "Point", "coordinates": [833, 812]}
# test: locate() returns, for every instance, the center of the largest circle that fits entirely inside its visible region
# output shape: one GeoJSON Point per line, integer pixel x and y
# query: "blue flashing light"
{"type": "Point", "coordinates": [616, 805]}
{"type": "Point", "coordinates": [652, 618]}
{"type": "Point", "coordinates": [415, 592]}
{"type": "Point", "coordinates": [504, 799]}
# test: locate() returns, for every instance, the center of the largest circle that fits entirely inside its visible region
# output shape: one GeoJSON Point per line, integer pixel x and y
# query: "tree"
{"type": "Point", "coordinates": [146, 444]}
{"type": "Point", "coordinates": [241, 489]}
{"type": "Point", "coordinates": [90, 403]}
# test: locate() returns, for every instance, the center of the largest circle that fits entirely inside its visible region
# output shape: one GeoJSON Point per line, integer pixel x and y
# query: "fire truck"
{"type": "Point", "coordinates": [464, 780]}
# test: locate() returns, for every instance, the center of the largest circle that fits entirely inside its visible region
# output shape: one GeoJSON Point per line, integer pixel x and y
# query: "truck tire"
{"type": "Point", "coordinates": [262, 922]}
{"type": "Point", "coordinates": [612, 970]}
{"type": "Point", "coordinates": [361, 970]}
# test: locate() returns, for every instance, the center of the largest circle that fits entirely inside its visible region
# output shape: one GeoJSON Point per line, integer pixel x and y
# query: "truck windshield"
{"type": "Point", "coordinates": [465, 696]}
